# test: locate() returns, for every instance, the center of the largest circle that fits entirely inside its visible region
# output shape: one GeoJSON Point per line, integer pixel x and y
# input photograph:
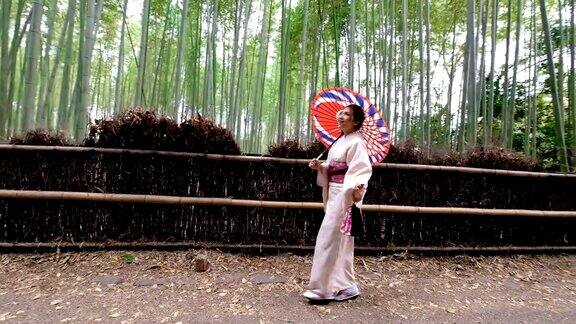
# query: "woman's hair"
{"type": "Point", "coordinates": [357, 114]}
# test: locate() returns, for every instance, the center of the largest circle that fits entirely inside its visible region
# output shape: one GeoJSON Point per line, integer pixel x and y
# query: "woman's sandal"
{"type": "Point", "coordinates": [351, 292]}
{"type": "Point", "coordinates": [317, 298]}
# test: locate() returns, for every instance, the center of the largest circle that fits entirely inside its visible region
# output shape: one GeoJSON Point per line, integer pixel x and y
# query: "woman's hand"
{"type": "Point", "coordinates": [358, 192]}
{"type": "Point", "coordinates": [315, 164]}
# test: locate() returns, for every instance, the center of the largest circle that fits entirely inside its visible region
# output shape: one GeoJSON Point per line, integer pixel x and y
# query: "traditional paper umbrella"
{"type": "Point", "coordinates": [328, 102]}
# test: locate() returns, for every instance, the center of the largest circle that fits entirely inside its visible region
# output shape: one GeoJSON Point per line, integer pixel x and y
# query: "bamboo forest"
{"type": "Point", "coordinates": [445, 74]}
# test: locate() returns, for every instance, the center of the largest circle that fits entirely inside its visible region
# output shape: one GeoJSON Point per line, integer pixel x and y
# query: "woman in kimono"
{"type": "Point", "coordinates": [344, 178]}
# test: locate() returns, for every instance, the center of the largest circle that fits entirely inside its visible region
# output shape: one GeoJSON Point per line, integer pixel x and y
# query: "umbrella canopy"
{"type": "Point", "coordinates": [328, 102]}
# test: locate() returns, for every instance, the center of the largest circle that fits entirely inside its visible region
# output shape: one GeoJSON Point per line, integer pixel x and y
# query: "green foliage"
{"type": "Point", "coordinates": [326, 62]}
{"type": "Point", "coordinates": [110, 21]}
{"type": "Point", "coordinates": [128, 258]}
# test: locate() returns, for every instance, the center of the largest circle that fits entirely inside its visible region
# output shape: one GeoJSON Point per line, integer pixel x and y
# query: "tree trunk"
{"type": "Point", "coordinates": [5, 62]}
{"type": "Point", "coordinates": [383, 55]}
{"type": "Point", "coordinates": [64, 108]}
{"type": "Point", "coordinates": [223, 84]}
{"type": "Point", "coordinates": [451, 75]}
{"type": "Point", "coordinates": [505, 99]}
{"type": "Point", "coordinates": [512, 105]}
{"type": "Point", "coordinates": [534, 80]}
{"type": "Point", "coordinates": [560, 58]}
{"type": "Point", "coordinates": [45, 68]}
{"type": "Point", "coordinates": [181, 45]}
{"type": "Point", "coordinates": [466, 79]}
{"type": "Point", "coordinates": [471, 84]}
{"type": "Point", "coordinates": [404, 124]}
{"type": "Point", "coordinates": [351, 44]}
{"type": "Point", "coordinates": [284, 57]}
{"type": "Point", "coordinates": [336, 32]}
{"type": "Point", "coordinates": [316, 46]}
{"type": "Point", "coordinates": [529, 93]}
{"type": "Point", "coordinates": [490, 115]}
{"type": "Point", "coordinates": [118, 84]}
{"type": "Point", "coordinates": [139, 99]}
{"type": "Point", "coordinates": [422, 137]}
{"type": "Point", "coordinates": [391, 58]}
{"type": "Point", "coordinates": [209, 79]}
{"type": "Point", "coordinates": [12, 67]}
{"type": "Point", "coordinates": [428, 79]}
{"type": "Point", "coordinates": [163, 61]}
{"type": "Point", "coordinates": [301, 86]}
{"type": "Point", "coordinates": [559, 123]}
{"type": "Point", "coordinates": [239, 88]}
{"type": "Point", "coordinates": [32, 55]}
{"type": "Point", "coordinates": [83, 84]}
{"type": "Point", "coordinates": [481, 94]}
{"type": "Point", "coordinates": [194, 73]}
{"type": "Point", "coordinates": [261, 72]}
{"type": "Point", "coordinates": [52, 79]}
{"type": "Point", "coordinates": [231, 120]}
{"type": "Point", "coordinates": [572, 82]}
{"type": "Point", "coordinates": [372, 82]}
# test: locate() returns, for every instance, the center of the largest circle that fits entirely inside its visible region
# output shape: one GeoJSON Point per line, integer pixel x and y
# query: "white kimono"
{"type": "Point", "coordinates": [333, 262]}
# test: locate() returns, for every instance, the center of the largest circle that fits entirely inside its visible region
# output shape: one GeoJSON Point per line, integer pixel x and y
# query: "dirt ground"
{"type": "Point", "coordinates": [130, 287]}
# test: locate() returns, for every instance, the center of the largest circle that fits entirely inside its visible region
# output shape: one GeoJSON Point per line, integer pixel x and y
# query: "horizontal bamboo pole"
{"type": "Point", "coordinates": [203, 201]}
{"type": "Point", "coordinates": [460, 211]}
{"type": "Point", "coordinates": [468, 170]}
{"type": "Point", "coordinates": [102, 150]}
{"type": "Point", "coordinates": [271, 248]}
{"type": "Point", "coordinates": [151, 199]}
{"type": "Point", "coordinates": [244, 158]}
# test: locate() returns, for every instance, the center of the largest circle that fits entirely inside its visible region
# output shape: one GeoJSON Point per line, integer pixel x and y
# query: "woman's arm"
{"type": "Point", "coordinates": [359, 171]}
{"type": "Point", "coordinates": [321, 178]}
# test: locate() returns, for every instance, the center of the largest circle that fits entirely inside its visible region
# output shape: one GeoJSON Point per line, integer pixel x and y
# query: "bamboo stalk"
{"type": "Point", "coordinates": [271, 248]}
{"type": "Point", "coordinates": [205, 201]}
{"type": "Point", "coordinates": [266, 159]}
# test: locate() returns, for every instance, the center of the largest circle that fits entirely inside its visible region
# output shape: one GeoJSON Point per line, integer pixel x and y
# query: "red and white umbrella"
{"type": "Point", "coordinates": [328, 102]}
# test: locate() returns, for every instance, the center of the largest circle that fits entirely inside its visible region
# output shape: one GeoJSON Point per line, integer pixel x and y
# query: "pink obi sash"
{"type": "Point", "coordinates": [337, 171]}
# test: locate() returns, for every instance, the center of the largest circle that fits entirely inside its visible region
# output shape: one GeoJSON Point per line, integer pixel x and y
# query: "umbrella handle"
{"type": "Point", "coordinates": [328, 148]}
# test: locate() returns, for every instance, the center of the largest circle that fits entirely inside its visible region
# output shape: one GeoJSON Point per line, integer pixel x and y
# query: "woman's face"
{"type": "Point", "coordinates": [345, 120]}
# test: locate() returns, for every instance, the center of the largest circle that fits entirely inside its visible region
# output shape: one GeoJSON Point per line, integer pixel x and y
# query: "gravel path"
{"type": "Point", "coordinates": [135, 287]}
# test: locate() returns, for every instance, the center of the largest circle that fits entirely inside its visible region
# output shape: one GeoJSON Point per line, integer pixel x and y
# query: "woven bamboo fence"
{"type": "Point", "coordinates": [406, 205]}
